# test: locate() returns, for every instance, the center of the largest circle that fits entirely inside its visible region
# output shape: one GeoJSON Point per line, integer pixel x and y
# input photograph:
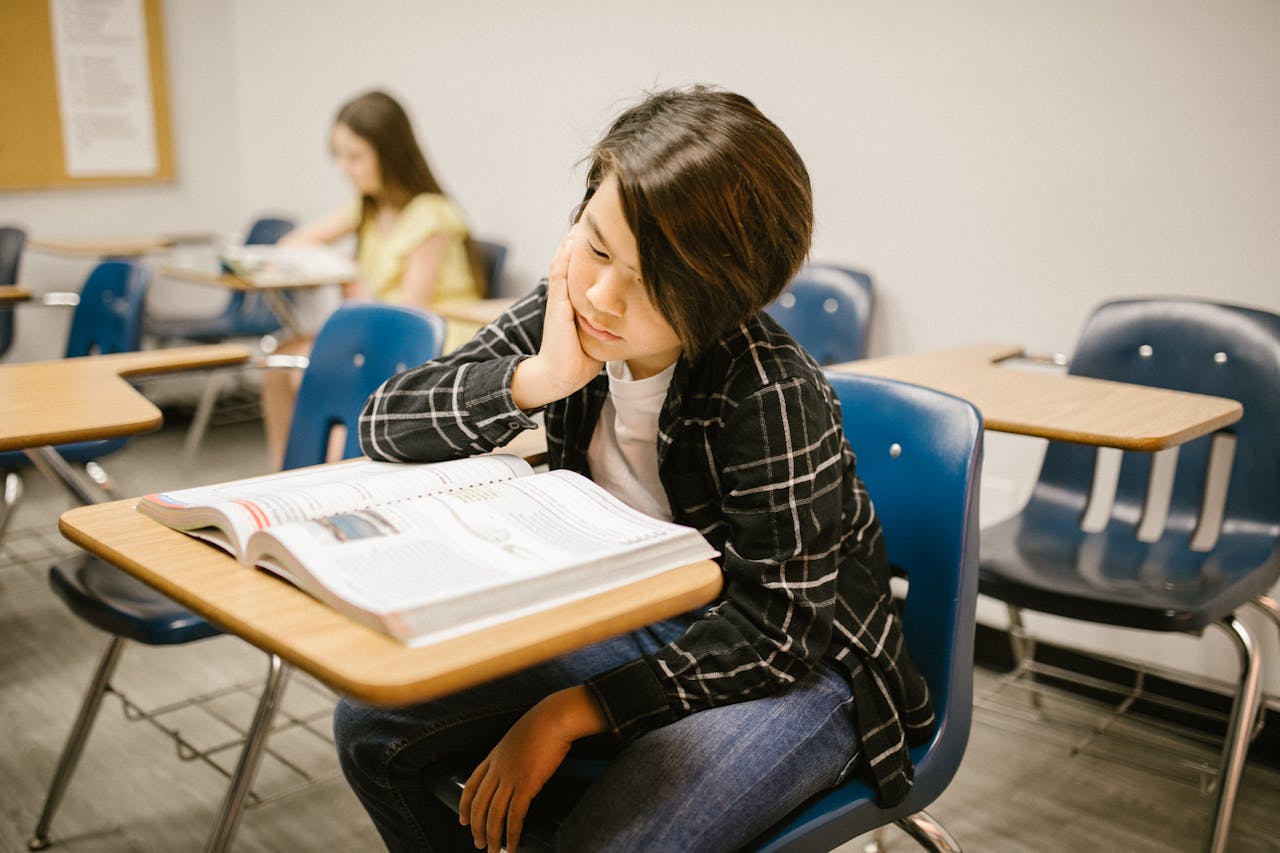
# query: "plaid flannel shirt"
{"type": "Point", "coordinates": [752, 454]}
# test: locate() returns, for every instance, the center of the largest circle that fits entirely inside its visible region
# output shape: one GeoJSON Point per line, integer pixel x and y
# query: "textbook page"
{"type": "Point", "coordinates": [239, 507]}
{"type": "Point", "coordinates": [483, 552]}
{"type": "Point", "coordinates": [288, 266]}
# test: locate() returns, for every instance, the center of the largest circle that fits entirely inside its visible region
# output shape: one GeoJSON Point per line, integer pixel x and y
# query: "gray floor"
{"type": "Point", "coordinates": [1021, 787]}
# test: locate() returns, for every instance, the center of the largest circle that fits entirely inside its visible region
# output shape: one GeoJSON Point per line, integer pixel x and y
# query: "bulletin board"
{"type": "Point", "coordinates": [32, 140]}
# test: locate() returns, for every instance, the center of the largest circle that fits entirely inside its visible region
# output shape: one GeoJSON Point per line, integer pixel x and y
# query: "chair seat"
{"type": "Point", "coordinates": [114, 601]}
{"type": "Point", "coordinates": [1041, 560]}
{"type": "Point", "coordinates": [214, 329]}
{"type": "Point", "coordinates": [79, 451]}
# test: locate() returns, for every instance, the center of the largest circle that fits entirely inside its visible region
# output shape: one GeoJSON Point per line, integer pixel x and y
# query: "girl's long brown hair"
{"type": "Point", "coordinates": [378, 119]}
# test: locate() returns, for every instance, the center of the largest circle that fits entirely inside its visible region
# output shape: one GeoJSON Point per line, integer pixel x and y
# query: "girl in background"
{"type": "Point", "coordinates": [412, 243]}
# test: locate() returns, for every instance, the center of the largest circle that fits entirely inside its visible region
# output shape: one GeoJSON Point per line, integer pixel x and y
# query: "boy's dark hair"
{"type": "Point", "coordinates": [718, 200]}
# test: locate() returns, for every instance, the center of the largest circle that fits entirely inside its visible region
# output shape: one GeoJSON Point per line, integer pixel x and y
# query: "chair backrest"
{"type": "Point", "coordinates": [493, 259]}
{"type": "Point", "coordinates": [12, 241]}
{"type": "Point", "coordinates": [108, 317]}
{"type": "Point", "coordinates": [359, 347]}
{"type": "Point", "coordinates": [828, 310]}
{"type": "Point", "coordinates": [266, 230]}
{"type": "Point", "coordinates": [251, 309]}
{"type": "Point", "coordinates": [920, 454]}
{"type": "Point", "coordinates": [1186, 345]}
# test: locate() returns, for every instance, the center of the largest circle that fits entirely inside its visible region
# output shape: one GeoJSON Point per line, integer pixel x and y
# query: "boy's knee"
{"type": "Point", "coordinates": [355, 736]}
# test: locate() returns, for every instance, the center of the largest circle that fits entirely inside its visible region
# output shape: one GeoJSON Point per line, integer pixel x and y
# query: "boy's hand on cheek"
{"type": "Point", "coordinates": [561, 366]}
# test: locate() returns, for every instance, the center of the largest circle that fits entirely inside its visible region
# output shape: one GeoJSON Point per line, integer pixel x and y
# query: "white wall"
{"type": "Point", "coordinates": [1000, 166]}
{"type": "Point", "coordinates": [205, 196]}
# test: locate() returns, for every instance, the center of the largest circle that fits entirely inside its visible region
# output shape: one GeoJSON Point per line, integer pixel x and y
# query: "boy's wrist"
{"type": "Point", "coordinates": [534, 385]}
{"type": "Point", "coordinates": [574, 712]}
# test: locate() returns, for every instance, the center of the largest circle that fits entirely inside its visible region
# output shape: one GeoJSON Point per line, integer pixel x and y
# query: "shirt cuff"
{"type": "Point", "coordinates": [632, 698]}
{"type": "Point", "coordinates": [491, 410]}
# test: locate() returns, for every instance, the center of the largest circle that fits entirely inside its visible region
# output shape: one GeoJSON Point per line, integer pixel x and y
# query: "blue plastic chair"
{"type": "Point", "coordinates": [108, 319]}
{"type": "Point", "coordinates": [359, 347]}
{"type": "Point", "coordinates": [493, 260]}
{"type": "Point", "coordinates": [919, 452]}
{"type": "Point", "coordinates": [1194, 571]}
{"type": "Point", "coordinates": [828, 310]}
{"type": "Point", "coordinates": [246, 314]}
{"type": "Point", "coordinates": [12, 242]}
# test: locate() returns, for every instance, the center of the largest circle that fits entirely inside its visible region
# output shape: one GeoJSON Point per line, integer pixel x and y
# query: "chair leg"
{"type": "Point", "coordinates": [1271, 607]}
{"type": "Point", "coordinates": [928, 833]}
{"type": "Point", "coordinates": [250, 755]}
{"type": "Point", "coordinates": [100, 476]}
{"type": "Point", "coordinates": [76, 741]}
{"type": "Point", "coordinates": [1023, 647]}
{"type": "Point", "coordinates": [1239, 728]}
{"type": "Point", "coordinates": [12, 493]}
{"type": "Point", "coordinates": [49, 463]}
{"type": "Point", "coordinates": [204, 412]}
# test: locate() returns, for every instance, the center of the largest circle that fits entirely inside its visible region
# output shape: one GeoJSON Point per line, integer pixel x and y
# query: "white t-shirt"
{"type": "Point", "coordinates": [623, 453]}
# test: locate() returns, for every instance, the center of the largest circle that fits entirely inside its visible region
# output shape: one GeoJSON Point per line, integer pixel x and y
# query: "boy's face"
{"type": "Point", "coordinates": [616, 321]}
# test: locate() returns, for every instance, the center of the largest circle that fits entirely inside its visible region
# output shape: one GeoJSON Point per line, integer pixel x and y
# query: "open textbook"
{"type": "Point", "coordinates": [425, 551]}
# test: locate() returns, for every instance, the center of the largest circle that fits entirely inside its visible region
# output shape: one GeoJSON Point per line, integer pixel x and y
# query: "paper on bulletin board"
{"type": "Point", "coordinates": [104, 87]}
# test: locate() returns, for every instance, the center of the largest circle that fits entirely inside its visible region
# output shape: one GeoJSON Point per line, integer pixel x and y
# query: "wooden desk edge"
{"type": "Point", "coordinates": [989, 356]}
{"type": "Point", "coordinates": [478, 657]}
{"type": "Point", "coordinates": [103, 248]}
{"type": "Point", "coordinates": [132, 413]}
{"type": "Point", "coordinates": [143, 362]}
{"type": "Point", "coordinates": [231, 281]}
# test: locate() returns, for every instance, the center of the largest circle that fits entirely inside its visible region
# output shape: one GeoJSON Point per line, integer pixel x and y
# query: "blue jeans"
{"type": "Point", "coordinates": [713, 780]}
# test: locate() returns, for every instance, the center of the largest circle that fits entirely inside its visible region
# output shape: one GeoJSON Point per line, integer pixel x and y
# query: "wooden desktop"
{"type": "Point", "coordinates": [351, 658]}
{"type": "Point", "coordinates": [1055, 406]}
{"type": "Point", "coordinates": [88, 398]}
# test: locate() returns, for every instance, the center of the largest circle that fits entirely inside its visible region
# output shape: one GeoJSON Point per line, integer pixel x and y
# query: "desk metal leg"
{"type": "Point", "coordinates": [228, 819]}
{"type": "Point", "coordinates": [57, 469]}
{"type": "Point", "coordinates": [12, 489]}
{"type": "Point", "coordinates": [76, 740]}
{"type": "Point", "coordinates": [283, 309]}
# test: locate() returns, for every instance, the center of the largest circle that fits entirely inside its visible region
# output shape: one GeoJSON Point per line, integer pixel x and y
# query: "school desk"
{"type": "Point", "coordinates": [1056, 406]}
{"type": "Point", "coordinates": [355, 660]}
{"type": "Point", "coordinates": [273, 293]}
{"type": "Point", "coordinates": [44, 403]}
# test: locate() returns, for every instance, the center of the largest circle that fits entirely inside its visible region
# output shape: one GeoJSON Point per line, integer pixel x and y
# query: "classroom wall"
{"type": "Point", "coordinates": [999, 166]}
{"type": "Point", "coordinates": [204, 198]}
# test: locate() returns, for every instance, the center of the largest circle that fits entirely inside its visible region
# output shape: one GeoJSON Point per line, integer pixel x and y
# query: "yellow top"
{"type": "Point", "coordinates": [382, 255]}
